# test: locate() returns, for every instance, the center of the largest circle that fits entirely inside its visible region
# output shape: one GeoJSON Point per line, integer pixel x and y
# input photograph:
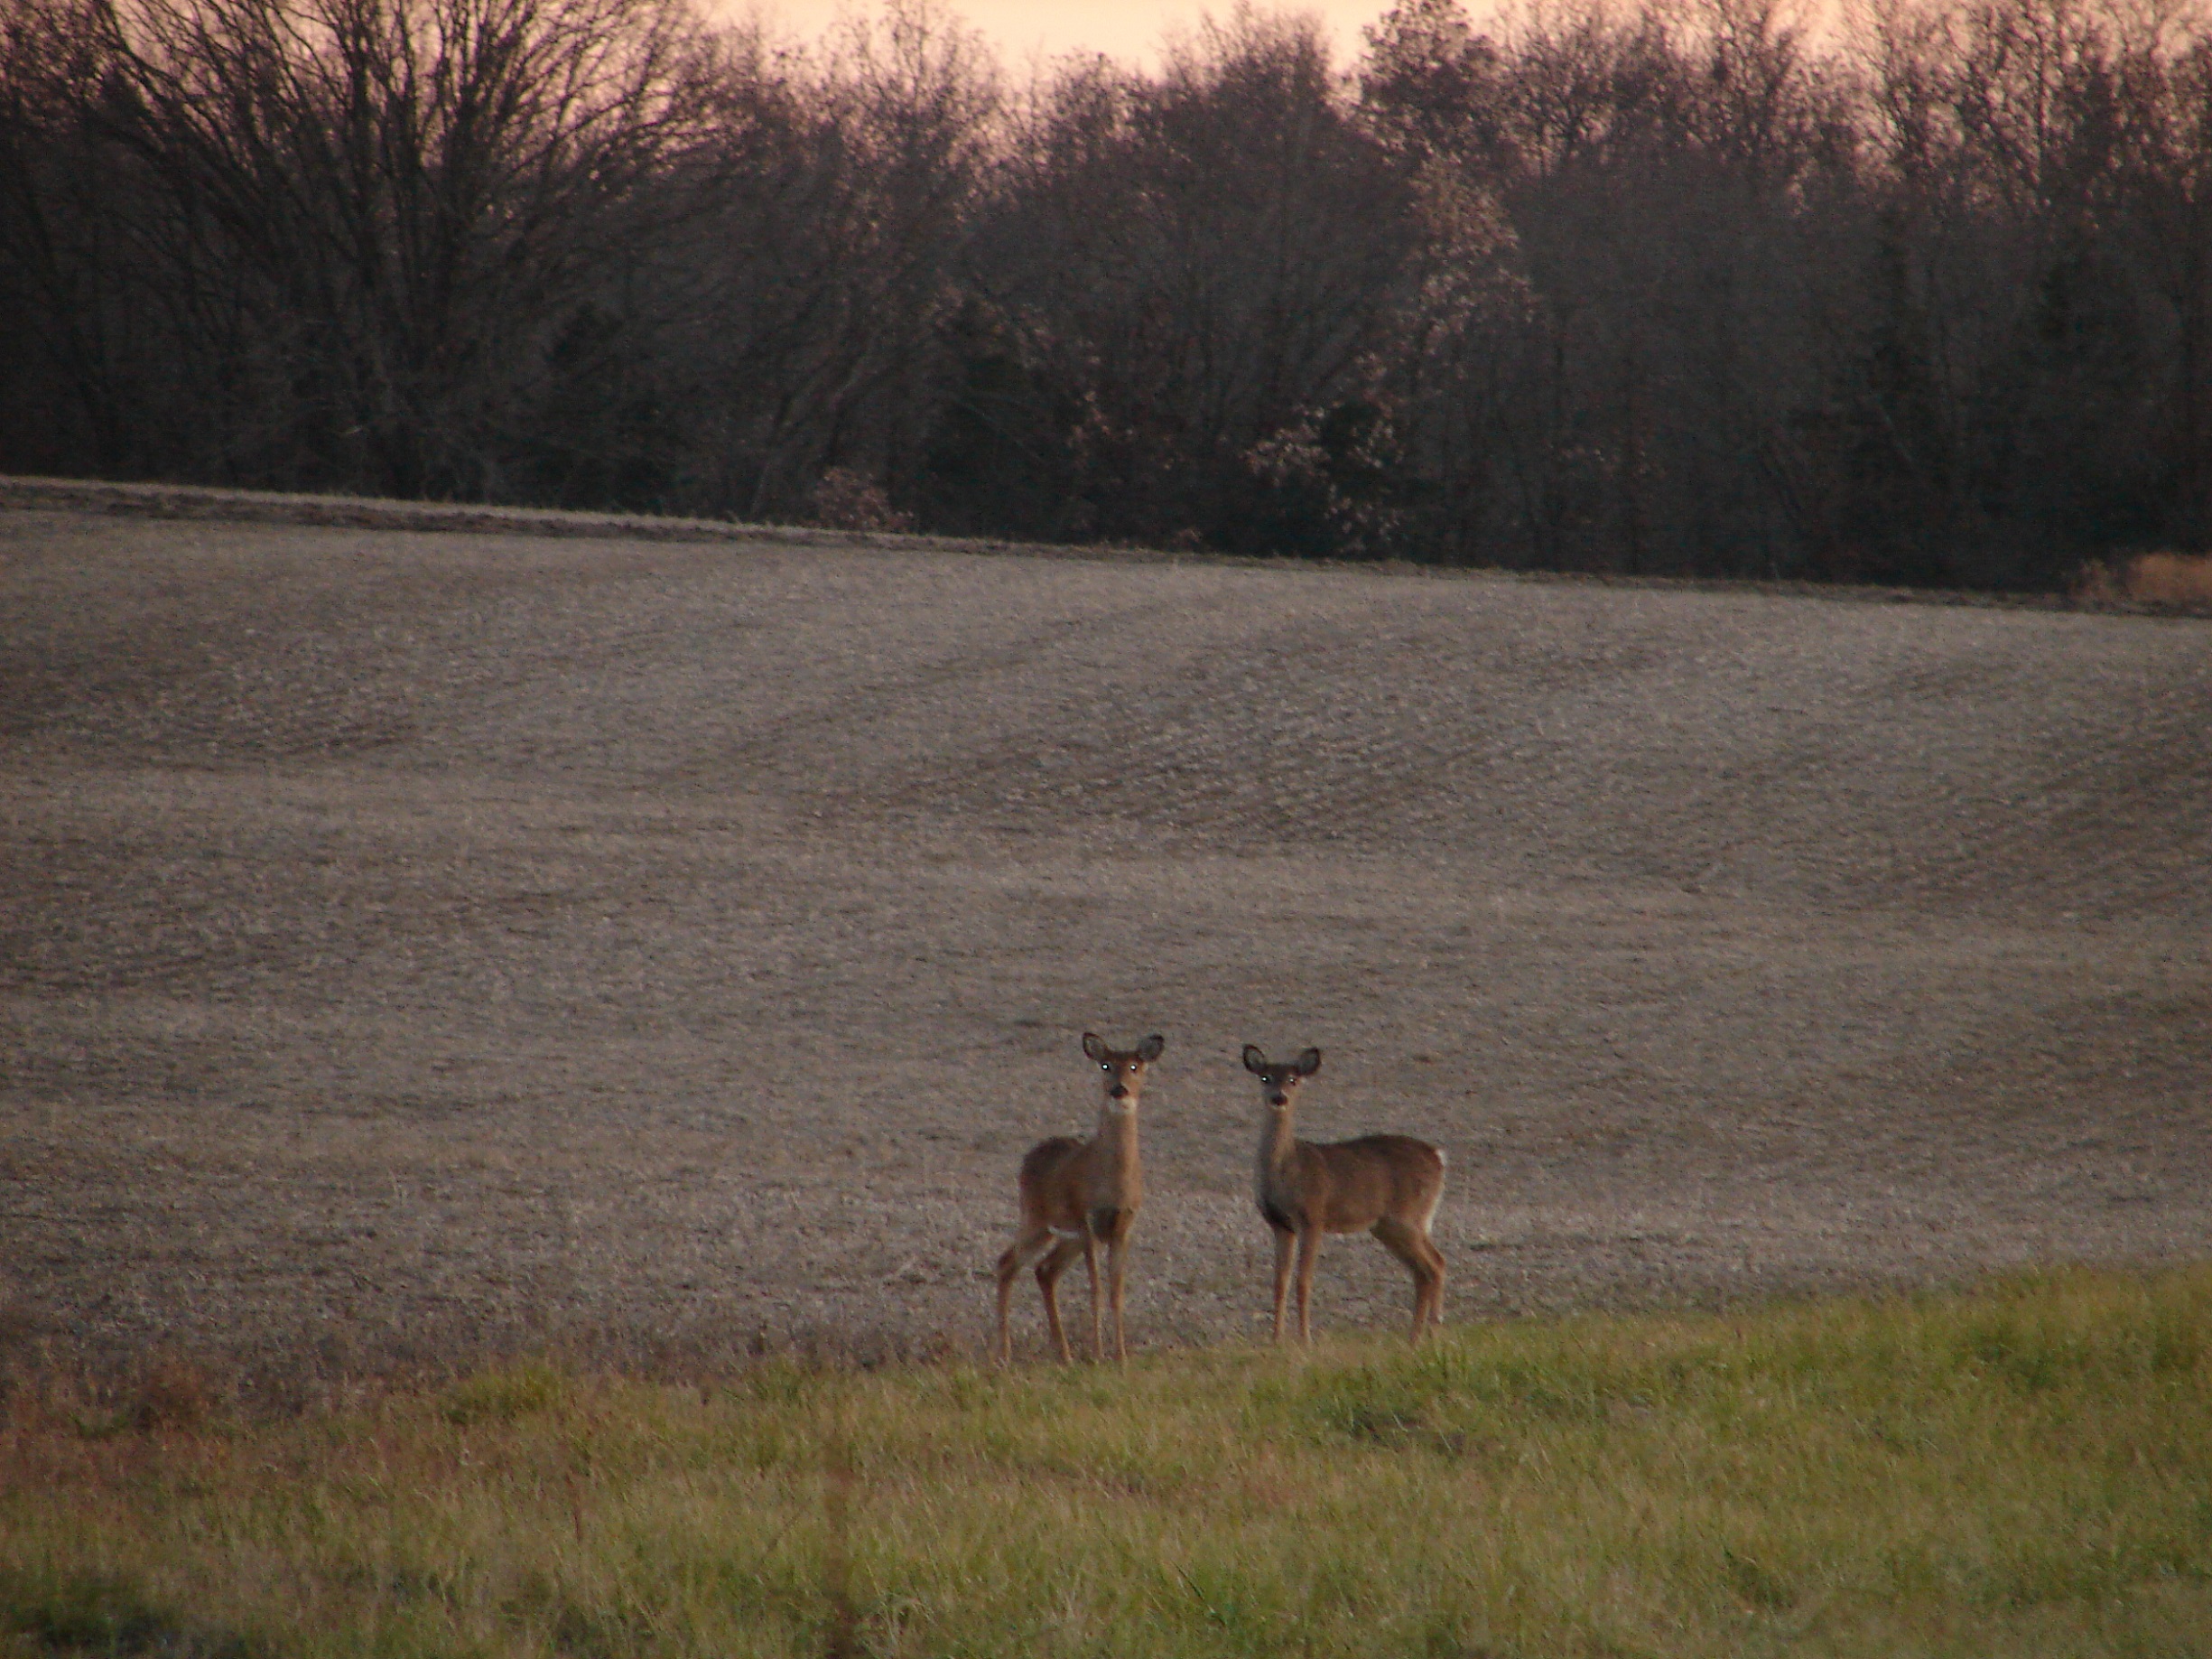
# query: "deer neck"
{"type": "Point", "coordinates": [1113, 1149]}
{"type": "Point", "coordinates": [1278, 1140]}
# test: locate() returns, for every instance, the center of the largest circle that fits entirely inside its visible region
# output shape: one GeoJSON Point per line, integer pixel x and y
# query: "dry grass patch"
{"type": "Point", "coordinates": [2027, 1469]}
{"type": "Point", "coordinates": [2180, 580]}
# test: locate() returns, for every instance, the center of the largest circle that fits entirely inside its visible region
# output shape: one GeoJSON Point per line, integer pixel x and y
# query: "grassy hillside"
{"type": "Point", "coordinates": [2025, 1470]}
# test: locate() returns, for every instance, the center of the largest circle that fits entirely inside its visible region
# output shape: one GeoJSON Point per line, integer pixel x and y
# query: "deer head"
{"type": "Point", "coordinates": [1278, 1085]}
{"type": "Point", "coordinates": [1124, 1068]}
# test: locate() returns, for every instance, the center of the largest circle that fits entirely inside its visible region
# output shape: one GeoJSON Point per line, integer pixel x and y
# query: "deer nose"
{"type": "Point", "coordinates": [1278, 1100]}
{"type": "Point", "coordinates": [1120, 1091]}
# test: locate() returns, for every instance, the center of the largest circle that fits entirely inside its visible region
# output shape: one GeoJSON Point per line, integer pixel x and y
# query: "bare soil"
{"type": "Point", "coordinates": [414, 944]}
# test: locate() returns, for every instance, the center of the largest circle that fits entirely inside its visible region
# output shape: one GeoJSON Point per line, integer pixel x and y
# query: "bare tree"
{"type": "Point", "coordinates": [417, 188]}
{"type": "Point", "coordinates": [1194, 266]}
{"type": "Point", "coordinates": [1656, 288]}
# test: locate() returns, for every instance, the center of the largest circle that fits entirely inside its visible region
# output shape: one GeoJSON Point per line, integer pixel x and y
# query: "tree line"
{"type": "Point", "coordinates": [1924, 297]}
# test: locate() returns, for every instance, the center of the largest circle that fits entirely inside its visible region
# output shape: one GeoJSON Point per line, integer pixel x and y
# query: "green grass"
{"type": "Point", "coordinates": [2026, 1469]}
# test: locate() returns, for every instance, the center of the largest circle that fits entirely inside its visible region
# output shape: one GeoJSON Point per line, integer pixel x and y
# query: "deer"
{"type": "Point", "coordinates": [1387, 1185]}
{"type": "Point", "coordinates": [1076, 1195]}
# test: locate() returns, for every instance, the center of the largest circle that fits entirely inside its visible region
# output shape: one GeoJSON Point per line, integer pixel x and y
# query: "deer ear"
{"type": "Point", "coordinates": [1151, 1048]}
{"type": "Point", "coordinates": [1255, 1062]}
{"type": "Point", "coordinates": [1309, 1062]}
{"type": "Point", "coordinates": [1094, 1045]}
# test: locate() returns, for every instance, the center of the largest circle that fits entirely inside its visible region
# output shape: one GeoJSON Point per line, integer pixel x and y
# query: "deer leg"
{"type": "Point", "coordinates": [1024, 1250]}
{"type": "Point", "coordinates": [1283, 1241]}
{"type": "Point", "coordinates": [1097, 1311]}
{"type": "Point", "coordinates": [1422, 1259]}
{"type": "Point", "coordinates": [1117, 1256]}
{"type": "Point", "coordinates": [1309, 1247]}
{"type": "Point", "coordinates": [1435, 1282]}
{"type": "Point", "coordinates": [1048, 1274]}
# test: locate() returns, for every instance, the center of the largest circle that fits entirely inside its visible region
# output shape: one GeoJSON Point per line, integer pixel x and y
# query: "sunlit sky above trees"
{"type": "Point", "coordinates": [1129, 30]}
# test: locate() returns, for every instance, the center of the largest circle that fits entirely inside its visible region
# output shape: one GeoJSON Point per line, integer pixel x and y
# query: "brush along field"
{"type": "Point", "coordinates": [417, 945]}
{"type": "Point", "coordinates": [2022, 1472]}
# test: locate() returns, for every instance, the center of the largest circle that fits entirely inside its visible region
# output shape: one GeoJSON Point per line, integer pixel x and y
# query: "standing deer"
{"type": "Point", "coordinates": [1387, 1185]}
{"type": "Point", "coordinates": [1075, 1194]}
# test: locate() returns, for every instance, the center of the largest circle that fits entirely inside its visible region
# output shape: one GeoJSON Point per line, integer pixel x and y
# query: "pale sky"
{"type": "Point", "coordinates": [1129, 30]}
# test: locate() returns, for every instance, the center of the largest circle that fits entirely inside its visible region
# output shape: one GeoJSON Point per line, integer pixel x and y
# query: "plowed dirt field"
{"type": "Point", "coordinates": [411, 943]}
